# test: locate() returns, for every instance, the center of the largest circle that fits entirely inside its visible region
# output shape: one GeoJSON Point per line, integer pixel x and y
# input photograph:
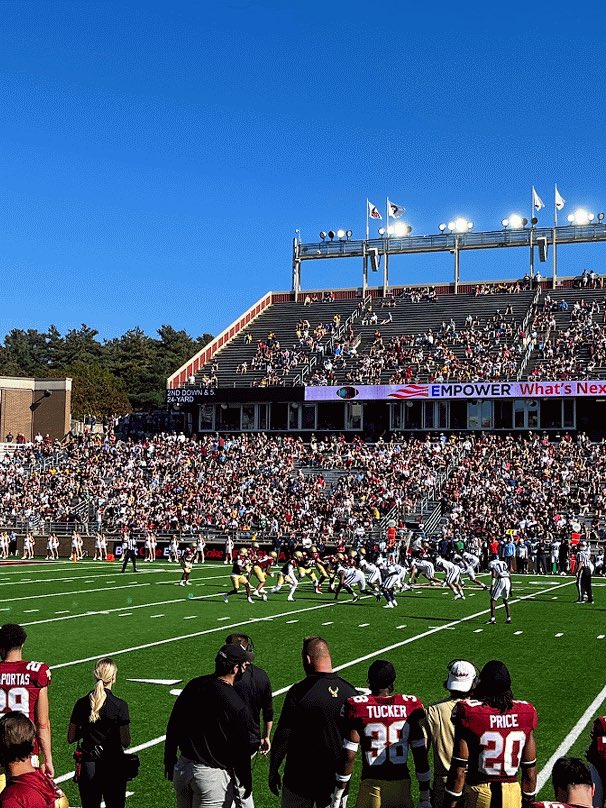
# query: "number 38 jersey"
{"type": "Point", "coordinates": [20, 685]}
{"type": "Point", "coordinates": [495, 740]}
{"type": "Point", "coordinates": [387, 726]}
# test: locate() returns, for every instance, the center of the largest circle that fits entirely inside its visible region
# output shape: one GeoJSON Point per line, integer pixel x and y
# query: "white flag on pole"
{"type": "Point", "coordinates": [373, 211]}
{"type": "Point", "coordinates": [559, 199]}
{"type": "Point", "coordinates": [395, 211]}
{"type": "Point", "coordinates": [537, 202]}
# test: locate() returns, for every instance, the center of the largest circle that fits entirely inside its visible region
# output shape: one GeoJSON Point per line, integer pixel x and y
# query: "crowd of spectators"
{"type": "Point", "coordinates": [242, 484]}
{"type": "Point", "coordinates": [570, 339]}
{"type": "Point", "coordinates": [530, 492]}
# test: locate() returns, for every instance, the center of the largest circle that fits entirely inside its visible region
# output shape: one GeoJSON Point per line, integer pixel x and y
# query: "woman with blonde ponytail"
{"type": "Point", "coordinates": [101, 724]}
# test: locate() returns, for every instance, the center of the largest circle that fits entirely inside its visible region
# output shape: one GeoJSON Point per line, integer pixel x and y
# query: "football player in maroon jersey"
{"type": "Point", "coordinates": [27, 786]}
{"type": "Point", "coordinates": [494, 738]}
{"type": "Point", "coordinates": [596, 755]}
{"type": "Point", "coordinates": [385, 724]}
{"type": "Point", "coordinates": [24, 688]}
{"type": "Point", "coordinates": [261, 568]}
{"type": "Point", "coordinates": [572, 785]}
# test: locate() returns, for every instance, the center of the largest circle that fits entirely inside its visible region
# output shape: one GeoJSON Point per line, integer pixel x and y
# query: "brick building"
{"type": "Point", "coordinates": [29, 406]}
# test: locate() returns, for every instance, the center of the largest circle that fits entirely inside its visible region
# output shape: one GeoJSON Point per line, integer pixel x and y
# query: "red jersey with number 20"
{"type": "Point", "coordinates": [495, 740]}
{"type": "Point", "coordinates": [387, 726]}
{"type": "Point", "coordinates": [20, 685]}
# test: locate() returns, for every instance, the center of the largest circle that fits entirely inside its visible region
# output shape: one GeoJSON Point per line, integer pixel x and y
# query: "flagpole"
{"type": "Point", "coordinates": [386, 267]}
{"type": "Point", "coordinates": [555, 249]}
{"type": "Point", "coordinates": [367, 206]}
{"type": "Point", "coordinates": [531, 241]}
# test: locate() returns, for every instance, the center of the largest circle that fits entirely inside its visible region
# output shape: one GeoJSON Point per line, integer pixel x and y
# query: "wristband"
{"type": "Point", "coordinates": [529, 764]}
{"type": "Point", "coordinates": [456, 794]}
{"type": "Point", "coordinates": [351, 746]}
{"type": "Point", "coordinates": [343, 778]}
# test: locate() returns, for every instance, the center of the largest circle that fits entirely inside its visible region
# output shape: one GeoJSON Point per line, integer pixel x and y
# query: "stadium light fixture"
{"type": "Point", "coordinates": [348, 234]}
{"type": "Point", "coordinates": [515, 222]}
{"type": "Point", "coordinates": [600, 217]}
{"type": "Point", "coordinates": [331, 234]}
{"type": "Point", "coordinates": [340, 234]}
{"type": "Point", "coordinates": [400, 229]}
{"type": "Point", "coordinates": [442, 227]}
{"type": "Point", "coordinates": [581, 217]}
{"type": "Point", "coordinates": [459, 225]}
{"type": "Point", "coordinates": [323, 235]}
{"type": "Point", "coordinates": [382, 231]}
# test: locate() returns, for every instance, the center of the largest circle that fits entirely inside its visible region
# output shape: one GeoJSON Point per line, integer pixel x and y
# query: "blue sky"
{"type": "Point", "coordinates": [156, 158]}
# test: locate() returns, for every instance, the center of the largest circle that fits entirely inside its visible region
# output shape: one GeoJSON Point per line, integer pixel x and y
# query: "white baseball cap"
{"type": "Point", "coordinates": [461, 676]}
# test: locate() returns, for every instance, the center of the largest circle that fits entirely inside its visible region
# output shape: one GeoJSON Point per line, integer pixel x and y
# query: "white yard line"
{"type": "Point", "coordinates": [570, 738]}
{"type": "Point", "coordinates": [69, 594]}
{"type": "Point", "coordinates": [162, 738]}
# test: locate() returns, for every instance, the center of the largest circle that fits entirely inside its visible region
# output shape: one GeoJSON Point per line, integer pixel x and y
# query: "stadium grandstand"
{"type": "Point", "coordinates": [335, 414]}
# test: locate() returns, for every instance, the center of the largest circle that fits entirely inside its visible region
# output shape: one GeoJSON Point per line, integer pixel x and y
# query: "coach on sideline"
{"type": "Point", "coordinates": [310, 733]}
{"type": "Point", "coordinates": [210, 724]}
{"type": "Point", "coordinates": [254, 688]}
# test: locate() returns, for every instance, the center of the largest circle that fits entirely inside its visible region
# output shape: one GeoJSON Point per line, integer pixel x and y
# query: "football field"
{"type": "Point", "coordinates": [161, 635]}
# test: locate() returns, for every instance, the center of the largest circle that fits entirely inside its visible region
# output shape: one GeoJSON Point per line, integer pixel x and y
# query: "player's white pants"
{"type": "Point", "coordinates": [501, 588]}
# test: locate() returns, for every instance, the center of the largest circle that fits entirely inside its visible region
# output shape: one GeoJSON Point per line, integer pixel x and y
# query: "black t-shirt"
{"type": "Point", "coordinates": [210, 724]}
{"type": "Point", "coordinates": [254, 689]}
{"type": "Point", "coordinates": [109, 729]}
{"type": "Point", "coordinates": [312, 717]}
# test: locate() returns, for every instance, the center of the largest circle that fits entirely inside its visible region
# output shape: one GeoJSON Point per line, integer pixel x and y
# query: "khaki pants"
{"type": "Point", "coordinates": [493, 795]}
{"type": "Point", "coordinates": [384, 794]}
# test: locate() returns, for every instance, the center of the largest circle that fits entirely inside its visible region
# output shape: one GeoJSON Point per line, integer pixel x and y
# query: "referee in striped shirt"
{"type": "Point", "coordinates": [129, 551]}
{"type": "Point", "coordinates": [584, 570]}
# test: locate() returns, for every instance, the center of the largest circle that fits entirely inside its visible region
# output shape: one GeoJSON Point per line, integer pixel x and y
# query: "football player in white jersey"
{"type": "Point", "coordinates": [394, 576]}
{"type": "Point", "coordinates": [453, 577]}
{"type": "Point", "coordinates": [469, 564]}
{"type": "Point", "coordinates": [423, 566]}
{"type": "Point", "coordinates": [500, 587]}
{"type": "Point", "coordinates": [347, 576]}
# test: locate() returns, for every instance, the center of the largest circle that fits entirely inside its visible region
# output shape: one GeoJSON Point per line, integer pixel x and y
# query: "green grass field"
{"type": "Point", "coordinates": [74, 614]}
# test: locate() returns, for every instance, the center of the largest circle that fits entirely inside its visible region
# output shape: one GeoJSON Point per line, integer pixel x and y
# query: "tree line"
{"type": "Point", "coordinates": [110, 377]}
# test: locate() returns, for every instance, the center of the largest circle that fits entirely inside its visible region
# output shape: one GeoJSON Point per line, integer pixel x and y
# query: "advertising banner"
{"type": "Point", "coordinates": [472, 390]}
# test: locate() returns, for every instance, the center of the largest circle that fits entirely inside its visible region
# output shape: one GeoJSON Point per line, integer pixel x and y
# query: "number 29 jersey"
{"type": "Point", "coordinates": [20, 685]}
{"type": "Point", "coordinates": [495, 740]}
{"type": "Point", "coordinates": [387, 726]}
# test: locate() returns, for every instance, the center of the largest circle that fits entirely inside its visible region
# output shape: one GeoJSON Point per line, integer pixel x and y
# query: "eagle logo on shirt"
{"type": "Point", "coordinates": [334, 692]}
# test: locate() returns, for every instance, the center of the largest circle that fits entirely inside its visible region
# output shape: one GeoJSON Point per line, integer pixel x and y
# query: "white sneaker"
{"type": "Point", "coordinates": [250, 600]}
{"type": "Point", "coordinates": [388, 606]}
{"type": "Point", "coordinates": [264, 596]}
{"type": "Point", "coordinates": [225, 599]}
{"type": "Point", "coordinates": [290, 598]}
{"type": "Point", "coordinates": [181, 583]}
{"type": "Point", "coordinates": [187, 583]}
{"type": "Point", "coordinates": [394, 603]}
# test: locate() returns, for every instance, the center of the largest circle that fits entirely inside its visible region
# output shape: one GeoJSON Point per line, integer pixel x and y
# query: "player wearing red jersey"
{"type": "Point", "coordinates": [24, 688]}
{"type": "Point", "coordinates": [596, 755]}
{"type": "Point", "coordinates": [187, 561]}
{"type": "Point", "coordinates": [385, 724]}
{"type": "Point", "coordinates": [572, 785]}
{"type": "Point", "coordinates": [27, 786]}
{"type": "Point", "coordinates": [494, 738]}
{"type": "Point", "coordinates": [240, 574]}
{"type": "Point", "coordinates": [261, 568]}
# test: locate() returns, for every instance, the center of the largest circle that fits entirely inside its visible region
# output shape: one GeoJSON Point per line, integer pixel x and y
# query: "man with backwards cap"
{"type": "Point", "coordinates": [385, 724]}
{"type": "Point", "coordinates": [439, 727]}
{"type": "Point", "coordinates": [210, 724]}
{"type": "Point", "coordinates": [494, 738]}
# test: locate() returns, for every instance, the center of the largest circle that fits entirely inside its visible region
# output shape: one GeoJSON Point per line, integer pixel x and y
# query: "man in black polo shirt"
{"type": "Point", "coordinates": [310, 732]}
{"type": "Point", "coordinates": [210, 724]}
{"type": "Point", "coordinates": [254, 688]}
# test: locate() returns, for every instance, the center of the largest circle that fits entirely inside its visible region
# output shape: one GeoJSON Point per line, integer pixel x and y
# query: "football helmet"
{"type": "Point", "coordinates": [273, 554]}
{"type": "Point", "coordinates": [244, 551]}
{"type": "Point", "coordinates": [298, 555]}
